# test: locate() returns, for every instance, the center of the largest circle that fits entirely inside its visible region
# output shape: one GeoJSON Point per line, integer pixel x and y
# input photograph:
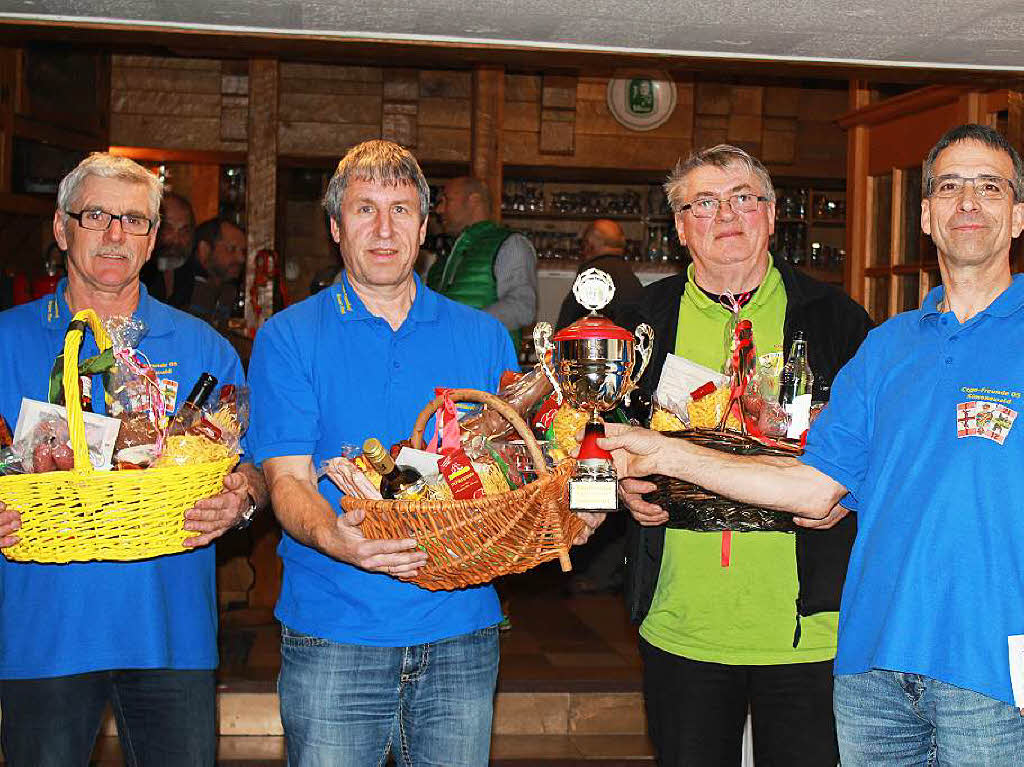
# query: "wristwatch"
{"type": "Point", "coordinates": [248, 514]}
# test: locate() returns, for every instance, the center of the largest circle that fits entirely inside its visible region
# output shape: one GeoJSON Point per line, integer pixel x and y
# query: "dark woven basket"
{"type": "Point", "coordinates": [691, 507]}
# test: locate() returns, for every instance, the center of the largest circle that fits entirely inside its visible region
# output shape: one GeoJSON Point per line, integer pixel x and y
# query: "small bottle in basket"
{"type": "Point", "coordinates": [795, 387]}
{"type": "Point", "coordinates": [397, 482]}
{"type": "Point", "coordinates": [191, 408]}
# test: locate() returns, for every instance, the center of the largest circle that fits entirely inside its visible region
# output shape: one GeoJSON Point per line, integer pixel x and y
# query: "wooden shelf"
{"type": "Point", "coordinates": [554, 216]}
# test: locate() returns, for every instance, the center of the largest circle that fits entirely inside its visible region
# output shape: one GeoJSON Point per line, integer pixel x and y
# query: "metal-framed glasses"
{"type": "Point", "coordinates": [707, 207]}
{"type": "Point", "coordinates": [100, 220]}
{"type": "Point", "coordinates": [985, 187]}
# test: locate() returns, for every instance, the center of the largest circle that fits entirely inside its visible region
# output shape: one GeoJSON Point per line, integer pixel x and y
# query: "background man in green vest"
{"type": "Point", "coordinates": [490, 267]}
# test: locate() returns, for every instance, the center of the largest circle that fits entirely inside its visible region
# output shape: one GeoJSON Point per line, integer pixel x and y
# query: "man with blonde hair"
{"type": "Point", "coordinates": [141, 636]}
{"type": "Point", "coordinates": [370, 663]}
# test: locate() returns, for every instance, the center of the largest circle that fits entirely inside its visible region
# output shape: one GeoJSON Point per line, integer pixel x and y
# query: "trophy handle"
{"type": "Point", "coordinates": [644, 347]}
{"type": "Point", "coordinates": [542, 345]}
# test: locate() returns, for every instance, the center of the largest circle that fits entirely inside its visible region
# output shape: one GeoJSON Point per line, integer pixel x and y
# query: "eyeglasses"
{"type": "Point", "coordinates": [985, 187]}
{"type": "Point", "coordinates": [707, 207]}
{"type": "Point", "coordinates": [99, 221]}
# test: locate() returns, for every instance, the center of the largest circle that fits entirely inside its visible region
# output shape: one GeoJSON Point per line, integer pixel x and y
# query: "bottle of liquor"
{"type": "Point", "coordinates": [191, 408]}
{"type": "Point", "coordinates": [796, 384]}
{"type": "Point", "coordinates": [398, 482]}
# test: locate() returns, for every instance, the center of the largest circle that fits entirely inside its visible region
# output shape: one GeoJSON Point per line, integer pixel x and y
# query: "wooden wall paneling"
{"type": "Point", "coordinates": [400, 93]}
{"type": "Point", "coordinates": [204, 193]}
{"type": "Point", "coordinates": [488, 119]}
{"type": "Point", "coordinates": [558, 115]}
{"type": "Point", "coordinates": [261, 167]}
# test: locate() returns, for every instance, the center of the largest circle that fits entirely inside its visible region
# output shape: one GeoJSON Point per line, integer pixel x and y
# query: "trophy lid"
{"type": "Point", "coordinates": [594, 326]}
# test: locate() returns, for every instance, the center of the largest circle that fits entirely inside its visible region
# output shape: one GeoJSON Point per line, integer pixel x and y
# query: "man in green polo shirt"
{"type": "Point", "coordinates": [748, 622]}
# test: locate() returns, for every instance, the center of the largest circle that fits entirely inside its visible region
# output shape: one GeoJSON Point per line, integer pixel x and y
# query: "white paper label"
{"type": "Point", "coordinates": [799, 416]}
{"type": "Point", "coordinates": [592, 495]}
{"type": "Point", "coordinates": [425, 463]}
{"type": "Point", "coordinates": [1016, 643]}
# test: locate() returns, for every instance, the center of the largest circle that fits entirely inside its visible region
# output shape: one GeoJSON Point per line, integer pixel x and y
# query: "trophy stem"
{"type": "Point", "coordinates": [589, 449]}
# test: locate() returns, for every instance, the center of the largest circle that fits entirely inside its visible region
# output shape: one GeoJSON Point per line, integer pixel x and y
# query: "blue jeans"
{"type": "Point", "coordinates": [905, 720]}
{"type": "Point", "coordinates": [165, 718]}
{"type": "Point", "coordinates": [346, 705]}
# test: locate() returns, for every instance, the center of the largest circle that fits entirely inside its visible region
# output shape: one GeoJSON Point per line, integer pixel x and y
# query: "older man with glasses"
{"type": "Point", "coordinates": [141, 636]}
{"type": "Point", "coordinates": [747, 621]}
{"type": "Point", "coordinates": [920, 439]}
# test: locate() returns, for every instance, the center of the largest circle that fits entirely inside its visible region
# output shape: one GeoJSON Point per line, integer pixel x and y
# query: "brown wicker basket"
{"type": "Point", "coordinates": [475, 541]}
{"type": "Point", "coordinates": [691, 507]}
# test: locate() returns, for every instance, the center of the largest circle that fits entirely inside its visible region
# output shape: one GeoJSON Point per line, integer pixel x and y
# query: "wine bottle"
{"type": "Point", "coordinates": [397, 482]}
{"type": "Point", "coordinates": [796, 384]}
{"type": "Point", "coordinates": [190, 409]}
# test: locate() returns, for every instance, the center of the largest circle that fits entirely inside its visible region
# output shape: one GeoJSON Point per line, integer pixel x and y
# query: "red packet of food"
{"type": "Point", "coordinates": [458, 472]}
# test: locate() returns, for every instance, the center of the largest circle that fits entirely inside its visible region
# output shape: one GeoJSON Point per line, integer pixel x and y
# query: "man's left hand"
{"type": "Point", "coordinates": [214, 516]}
{"type": "Point", "coordinates": [591, 521]}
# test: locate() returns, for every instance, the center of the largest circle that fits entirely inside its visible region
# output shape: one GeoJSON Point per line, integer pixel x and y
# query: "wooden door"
{"type": "Point", "coordinates": [891, 265]}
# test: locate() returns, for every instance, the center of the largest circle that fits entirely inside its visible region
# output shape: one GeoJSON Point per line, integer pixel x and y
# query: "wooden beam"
{"type": "Point", "coordinates": [261, 168]}
{"type": "Point", "coordinates": [858, 209]}
{"type": "Point", "coordinates": [8, 93]}
{"type": "Point", "coordinates": [486, 142]}
{"type": "Point", "coordinates": [198, 156]}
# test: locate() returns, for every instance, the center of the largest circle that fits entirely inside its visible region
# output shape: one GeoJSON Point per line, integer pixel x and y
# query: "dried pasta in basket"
{"type": "Point", "coordinates": [189, 449]}
{"type": "Point", "coordinates": [707, 411]}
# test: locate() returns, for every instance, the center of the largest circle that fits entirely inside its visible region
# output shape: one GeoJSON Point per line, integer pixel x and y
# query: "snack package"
{"type": "Point", "coordinates": [707, 411]}
{"type": "Point", "coordinates": [522, 391]}
{"type": "Point", "coordinates": [566, 423]}
{"type": "Point", "coordinates": [100, 435]}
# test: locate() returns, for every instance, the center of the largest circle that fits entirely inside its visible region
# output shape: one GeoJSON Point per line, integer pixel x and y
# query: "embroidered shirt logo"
{"type": "Point", "coordinates": [981, 418]}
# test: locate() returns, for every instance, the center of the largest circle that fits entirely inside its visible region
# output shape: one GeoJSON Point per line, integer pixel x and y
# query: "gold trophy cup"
{"type": "Point", "coordinates": [593, 366]}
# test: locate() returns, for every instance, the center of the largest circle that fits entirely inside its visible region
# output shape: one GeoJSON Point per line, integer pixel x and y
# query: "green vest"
{"type": "Point", "coordinates": [467, 275]}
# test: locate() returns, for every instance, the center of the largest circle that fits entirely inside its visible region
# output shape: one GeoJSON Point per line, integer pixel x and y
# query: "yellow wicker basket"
{"type": "Point", "coordinates": [84, 514]}
{"type": "Point", "coordinates": [475, 541]}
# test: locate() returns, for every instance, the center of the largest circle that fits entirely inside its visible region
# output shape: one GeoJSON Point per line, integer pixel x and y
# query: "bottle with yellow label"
{"type": "Point", "coordinates": [397, 482]}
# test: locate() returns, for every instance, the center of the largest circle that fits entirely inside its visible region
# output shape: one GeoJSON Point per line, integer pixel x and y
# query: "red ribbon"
{"type": "Point", "coordinates": [446, 425]}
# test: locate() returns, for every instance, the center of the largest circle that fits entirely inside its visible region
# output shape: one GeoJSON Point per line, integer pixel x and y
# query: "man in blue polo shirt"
{"type": "Point", "coordinates": [138, 635]}
{"type": "Point", "coordinates": [920, 439]}
{"type": "Point", "coordinates": [369, 662]}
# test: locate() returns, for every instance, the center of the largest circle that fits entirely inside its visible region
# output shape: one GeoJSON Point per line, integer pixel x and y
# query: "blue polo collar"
{"type": "Point", "coordinates": [350, 307]}
{"type": "Point", "coordinates": [55, 313]}
{"type": "Point", "coordinates": [1006, 303]}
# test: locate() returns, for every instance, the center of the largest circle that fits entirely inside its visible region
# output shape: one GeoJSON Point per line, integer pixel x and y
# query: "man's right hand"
{"type": "Point", "coordinates": [647, 514]}
{"type": "Point", "coordinates": [398, 558]}
{"type": "Point", "coordinates": [9, 522]}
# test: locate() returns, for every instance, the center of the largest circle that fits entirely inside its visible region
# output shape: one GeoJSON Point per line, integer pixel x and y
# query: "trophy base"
{"type": "Point", "coordinates": [594, 486]}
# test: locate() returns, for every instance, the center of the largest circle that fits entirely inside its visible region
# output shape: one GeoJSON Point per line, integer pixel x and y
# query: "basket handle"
{"type": "Point", "coordinates": [72, 393]}
{"type": "Point", "coordinates": [473, 395]}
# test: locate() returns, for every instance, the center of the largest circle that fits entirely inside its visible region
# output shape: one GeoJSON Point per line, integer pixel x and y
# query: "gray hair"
{"type": "Point", "coordinates": [993, 139]}
{"type": "Point", "coordinates": [106, 165]}
{"type": "Point", "coordinates": [720, 156]}
{"type": "Point", "coordinates": [383, 162]}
